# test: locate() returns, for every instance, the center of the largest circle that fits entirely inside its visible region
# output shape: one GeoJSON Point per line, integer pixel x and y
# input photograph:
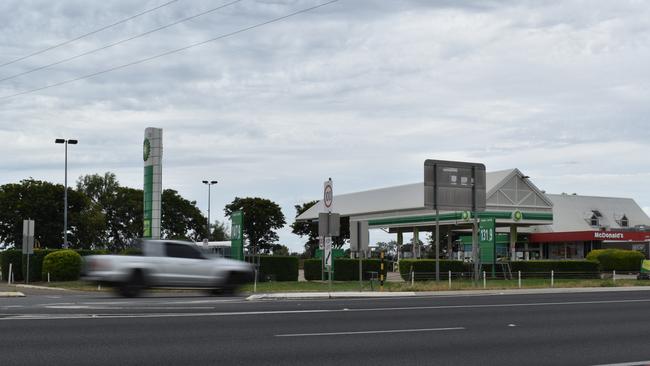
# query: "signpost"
{"type": "Point", "coordinates": [487, 242]}
{"type": "Point", "coordinates": [329, 225]}
{"type": "Point", "coordinates": [454, 186]}
{"type": "Point", "coordinates": [237, 235]}
{"type": "Point", "coordinates": [28, 242]}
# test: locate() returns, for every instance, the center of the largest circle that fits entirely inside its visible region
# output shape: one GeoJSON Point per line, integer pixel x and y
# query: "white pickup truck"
{"type": "Point", "coordinates": [166, 263]}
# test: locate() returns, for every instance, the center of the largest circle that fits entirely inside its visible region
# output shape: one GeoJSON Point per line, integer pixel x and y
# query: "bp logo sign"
{"type": "Point", "coordinates": [466, 215]}
{"type": "Point", "coordinates": [517, 216]}
{"type": "Point", "coordinates": [146, 149]}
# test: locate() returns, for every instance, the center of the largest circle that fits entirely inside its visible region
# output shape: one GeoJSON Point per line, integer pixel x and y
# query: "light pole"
{"type": "Point", "coordinates": [65, 191]}
{"type": "Point", "coordinates": [209, 183]}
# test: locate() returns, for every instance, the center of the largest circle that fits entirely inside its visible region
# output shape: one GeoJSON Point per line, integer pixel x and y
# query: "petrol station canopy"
{"type": "Point", "coordinates": [512, 199]}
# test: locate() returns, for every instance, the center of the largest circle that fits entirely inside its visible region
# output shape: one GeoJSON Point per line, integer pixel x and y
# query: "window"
{"type": "Point", "coordinates": [624, 221]}
{"type": "Point", "coordinates": [594, 220]}
{"type": "Point", "coordinates": [182, 251]}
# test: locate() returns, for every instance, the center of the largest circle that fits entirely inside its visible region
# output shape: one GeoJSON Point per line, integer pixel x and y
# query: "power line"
{"type": "Point", "coordinates": [242, 30]}
{"type": "Point", "coordinates": [119, 42]}
{"type": "Point", "coordinates": [87, 34]}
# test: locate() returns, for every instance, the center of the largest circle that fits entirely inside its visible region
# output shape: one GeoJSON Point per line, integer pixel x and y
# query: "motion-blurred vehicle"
{"type": "Point", "coordinates": [167, 263]}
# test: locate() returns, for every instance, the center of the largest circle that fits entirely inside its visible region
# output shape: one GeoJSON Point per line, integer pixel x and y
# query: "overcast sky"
{"type": "Point", "coordinates": [360, 91]}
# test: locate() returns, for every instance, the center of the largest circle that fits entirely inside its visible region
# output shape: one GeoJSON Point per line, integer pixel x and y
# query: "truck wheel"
{"type": "Point", "coordinates": [227, 287]}
{"type": "Point", "coordinates": [134, 286]}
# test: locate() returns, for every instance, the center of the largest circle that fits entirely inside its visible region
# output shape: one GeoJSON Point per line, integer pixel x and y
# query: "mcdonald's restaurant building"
{"type": "Point", "coordinates": [530, 224]}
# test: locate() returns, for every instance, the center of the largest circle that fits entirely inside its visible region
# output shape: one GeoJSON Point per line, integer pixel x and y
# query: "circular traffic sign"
{"type": "Point", "coordinates": [328, 196]}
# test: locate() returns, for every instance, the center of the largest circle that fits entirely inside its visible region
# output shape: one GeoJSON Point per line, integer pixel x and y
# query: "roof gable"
{"type": "Point", "coordinates": [510, 189]}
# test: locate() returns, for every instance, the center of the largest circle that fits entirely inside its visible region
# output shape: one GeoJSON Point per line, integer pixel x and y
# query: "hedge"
{"type": "Point", "coordinates": [345, 269]}
{"type": "Point", "coordinates": [424, 269]}
{"type": "Point", "coordinates": [561, 269]}
{"type": "Point", "coordinates": [428, 266]}
{"type": "Point", "coordinates": [62, 265]}
{"type": "Point", "coordinates": [617, 259]}
{"type": "Point", "coordinates": [279, 268]}
{"type": "Point", "coordinates": [16, 256]}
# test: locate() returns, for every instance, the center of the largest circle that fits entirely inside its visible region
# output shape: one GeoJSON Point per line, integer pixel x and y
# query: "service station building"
{"type": "Point", "coordinates": [530, 224]}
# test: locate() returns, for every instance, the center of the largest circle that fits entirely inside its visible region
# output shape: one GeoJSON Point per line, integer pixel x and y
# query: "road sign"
{"type": "Point", "coordinates": [328, 195]}
{"type": "Point", "coordinates": [359, 236]}
{"type": "Point", "coordinates": [328, 252]}
{"type": "Point", "coordinates": [454, 185]}
{"type": "Point", "coordinates": [329, 224]}
{"type": "Point", "coordinates": [28, 236]}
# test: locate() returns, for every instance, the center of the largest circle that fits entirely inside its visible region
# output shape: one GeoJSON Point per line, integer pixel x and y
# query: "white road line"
{"type": "Point", "coordinates": [637, 363]}
{"type": "Point", "coordinates": [321, 311]}
{"type": "Point", "coordinates": [370, 332]}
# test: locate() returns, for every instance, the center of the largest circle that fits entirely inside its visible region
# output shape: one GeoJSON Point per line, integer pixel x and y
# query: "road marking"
{"type": "Point", "coordinates": [370, 332]}
{"type": "Point", "coordinates": [637, 363]}
{"type": "Point", "coordinates": [316, 311]}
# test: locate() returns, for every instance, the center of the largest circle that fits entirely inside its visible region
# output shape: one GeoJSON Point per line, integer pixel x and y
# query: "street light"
{"type": "Point", "coordinates": [65, 191]}
{"type": "Point", "coordinates": [209, 183]}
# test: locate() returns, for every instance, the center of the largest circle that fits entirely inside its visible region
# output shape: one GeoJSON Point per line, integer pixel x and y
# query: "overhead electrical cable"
{"type": "Point", "coordinates": [120, 42]}
{"type": "Point", "coordinates": [242, 30]}
{"type": "Point", "coordinates": [87, 34]}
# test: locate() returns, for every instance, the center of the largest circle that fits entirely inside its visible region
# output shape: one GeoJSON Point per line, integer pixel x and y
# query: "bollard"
{"type": "Point", "coordinates": [552, 278]}
{"type": "Point", "coordinates": [381, 272]}
{"type": "Point", "coordinates": [519, 278]}
{"type": "Point", "coordinates": [48, 277]}
{"type": "Point", "coordinates": [614, 275]}
{"type": "Point", "coordinates": [10, 273]}
{"type": "Point", "coordinates": [412, 277]}
{"type": "Point", "coordinates": [450, 280]}
{"type": "Point", "coordinates": [255, 282]}
{"type": "Point", "coordinates": [484, 280]}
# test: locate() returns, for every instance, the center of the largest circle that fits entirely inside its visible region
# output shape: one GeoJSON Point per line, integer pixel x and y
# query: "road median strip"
{"type": "Point", "coordinates": [326, 295]}
{"type": "Point", "coordinates": [12, 294]}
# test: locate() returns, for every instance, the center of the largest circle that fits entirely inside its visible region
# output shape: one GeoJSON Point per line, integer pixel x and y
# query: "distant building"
{"type": "Point", "coordinates": [583, 223]}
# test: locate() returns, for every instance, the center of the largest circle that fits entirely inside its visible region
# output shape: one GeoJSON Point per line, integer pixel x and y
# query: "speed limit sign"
{"type": "Point", "coordinates": [328, 195]}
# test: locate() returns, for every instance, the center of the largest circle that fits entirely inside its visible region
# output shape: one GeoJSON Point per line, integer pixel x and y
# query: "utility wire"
{"type": "Point", "coordinates": [242, 30]}
{"type": "Point", "coordinates": [87, 34]}
{"type": "Point", "coordinates": [119, 42]}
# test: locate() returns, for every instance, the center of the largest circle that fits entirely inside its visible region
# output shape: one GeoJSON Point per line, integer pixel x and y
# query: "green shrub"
{"type": "Point", "coordinates": [312, 268]}
{"type": "Point", "coordinates": [617, 259]}
{"type": "Point", "coordinates": [62, 265]}
{"type": "Point", "coordinates": [345, 269]}
{"type": "Point", "coordinates": [427, 267]}
{"type": "Point", "coordinates": [279, 268]}
{"type": "Point", "coordinates": [131, 251]}
{"type": "Point", "coordinates": [15, 257]}
{"type": "Point", "coordinates": [561, 269]}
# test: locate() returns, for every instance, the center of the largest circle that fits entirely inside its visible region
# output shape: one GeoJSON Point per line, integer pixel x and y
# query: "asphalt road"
{"type": "Point", "coordinates": [188, 329]}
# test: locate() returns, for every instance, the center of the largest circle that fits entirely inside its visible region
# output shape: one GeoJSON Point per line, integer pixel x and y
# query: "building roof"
{"type": "Point", "coordinates": [410, 197]}
{"type": "Point", "coordinates": [574, 213]}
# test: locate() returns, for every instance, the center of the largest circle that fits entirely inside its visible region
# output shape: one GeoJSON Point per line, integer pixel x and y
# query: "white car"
{"type": "Point", "coordinates": [166, 263]}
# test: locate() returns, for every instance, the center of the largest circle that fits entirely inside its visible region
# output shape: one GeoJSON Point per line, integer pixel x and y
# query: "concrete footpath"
{"type": "Point", "coordinates": [376, 294]}
{"type": "Point", "coordinates": [18, 290]}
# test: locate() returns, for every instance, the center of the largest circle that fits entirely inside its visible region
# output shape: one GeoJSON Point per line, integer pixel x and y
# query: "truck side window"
{"type": "Point", "coordinates": [182, 251]}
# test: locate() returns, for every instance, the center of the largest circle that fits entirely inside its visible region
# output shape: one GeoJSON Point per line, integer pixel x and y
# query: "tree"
{"type": "Point", "coordinates": [389, 248]}
{"type": "Point", "coordinates": [126, 224]}
{"type": "Point", "coordinates": [279, 249]}
{"type": "Point", "coordinates": [181, 219]}
{"type": "Point", "coordinates": [220, 231]}
{"type": "Point", "coordinates": [43, 202]}
{"type": "Point", "coordinates": [261, 218]}
{"type": "Point", "coordinates": [310, 229]}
